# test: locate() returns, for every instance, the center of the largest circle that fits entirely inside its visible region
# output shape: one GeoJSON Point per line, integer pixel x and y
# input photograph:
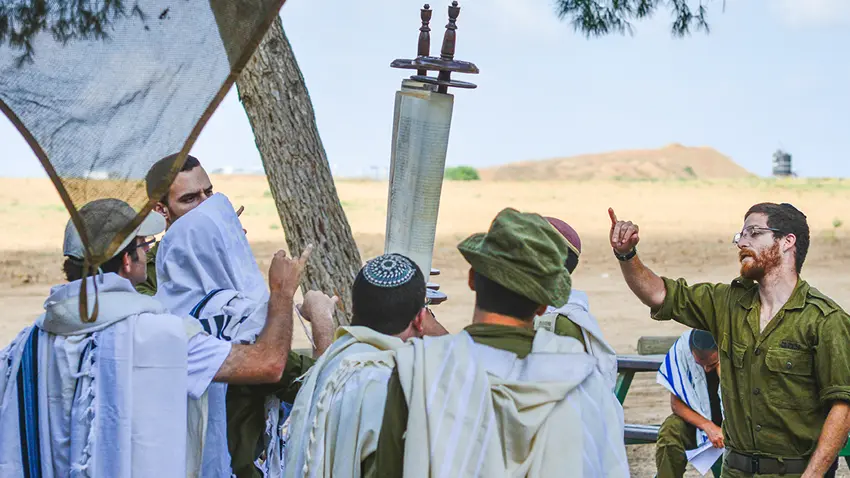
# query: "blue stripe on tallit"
{"type": "Point", "coordinates": [196, 311]}
{"type": "Point", "coordinates": [666, 376]}
{"type": "Point", "coordinates": [669, 372]}
{"type": "Point", "coordinates": [682, 383]}
{"type": "Point", "coordinates": [28, 407]}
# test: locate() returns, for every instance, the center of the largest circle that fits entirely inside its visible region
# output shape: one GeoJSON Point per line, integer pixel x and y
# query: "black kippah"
{"type": "Point", "coordinates": [389, 270]}
{"type": "Point", "coordinates": [702, 341]}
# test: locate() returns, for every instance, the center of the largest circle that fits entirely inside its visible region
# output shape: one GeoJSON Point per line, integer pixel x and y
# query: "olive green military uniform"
{"type": "Point", "coordinates": [676, 435]}
{"type": "Point", "coordinates": [777, 385]}
{"type": "Point", "coordinates": [148, 287]}
{"type": "Point", "coordinates": [567, 328]}
{"type": "Point", "coordinates": [388, 459]}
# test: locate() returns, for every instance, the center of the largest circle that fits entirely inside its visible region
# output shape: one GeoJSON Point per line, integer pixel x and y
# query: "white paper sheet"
{"type": "Point", "coordinates": [703, 458]}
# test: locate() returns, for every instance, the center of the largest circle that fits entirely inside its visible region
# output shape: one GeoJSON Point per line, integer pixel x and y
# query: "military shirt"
{"type": "Point", "coordinates": [777, 385]}
{"type": "Point", "coordinates": [567, 328]}
{"type": "Point", "coordinates": [388, 459]}
{"type": "Point", "coordinates": [148, 287]}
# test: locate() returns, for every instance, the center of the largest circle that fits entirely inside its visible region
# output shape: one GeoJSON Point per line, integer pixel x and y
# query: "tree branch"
{"type": "Point", "coordinates": [22, 20]}
{"type": "Point", "coordinates": [596, 18]}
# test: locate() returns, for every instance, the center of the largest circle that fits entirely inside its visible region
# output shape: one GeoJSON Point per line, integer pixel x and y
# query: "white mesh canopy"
{"type": "Point", "coordinates": [103, 89]}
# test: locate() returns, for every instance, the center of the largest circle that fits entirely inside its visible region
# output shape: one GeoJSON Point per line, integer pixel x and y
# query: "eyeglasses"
{"type": "Point", "coordinates": [752, 232]}
{"type": "Point", "coordinates": [148, 241]}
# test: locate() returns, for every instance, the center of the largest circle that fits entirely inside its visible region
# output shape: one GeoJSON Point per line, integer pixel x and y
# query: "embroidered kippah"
{"type": "Point", "coordinates": [389, 270]}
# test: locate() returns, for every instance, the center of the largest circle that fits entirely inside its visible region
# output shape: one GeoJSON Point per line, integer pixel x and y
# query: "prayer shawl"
{"type": "Point", "coordinates": [685, 378]}
{"type": "Point", "coordinates": [577, 310]}
{"type": "Point", "coordinates": [337, 417]}
{"type": "Point", "coordinates": [101, 399]}
{"type": "Point", "coordinates": [478, 411]}
{"type": "Point", "coordinates": [206, 269]}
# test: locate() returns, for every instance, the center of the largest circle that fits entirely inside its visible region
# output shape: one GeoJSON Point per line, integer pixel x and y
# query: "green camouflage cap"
{"type": "Point", "coordinates": [523, 253]}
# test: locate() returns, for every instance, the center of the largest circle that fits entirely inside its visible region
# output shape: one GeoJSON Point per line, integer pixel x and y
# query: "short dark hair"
{"type": "Point", "coordinates": [493, 297]}
{"type": "Point", "coordinates": [73, 268]}
{"type": "Point", "coordinates": [159, 171]}
{"type": "Point", "coordinates": [388, 310]}
{"type": "Point", "coordinates": [789, 220]}
{"type": "Point", "coordinates": [702, 342]}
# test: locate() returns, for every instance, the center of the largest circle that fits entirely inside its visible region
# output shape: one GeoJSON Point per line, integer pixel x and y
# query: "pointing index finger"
{"type": "Point", "coordinates": [612, 215]}
{"type": "Point", "coordinates": [306, 254]}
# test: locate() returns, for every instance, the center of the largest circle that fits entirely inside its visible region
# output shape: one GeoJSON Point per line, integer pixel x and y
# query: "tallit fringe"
{"type": "Point", "coordinates": [81, 468]}
{"type": "Point", "coordinates": [8, 356]}
{"type": "Point", "coordinates": [341, 375]}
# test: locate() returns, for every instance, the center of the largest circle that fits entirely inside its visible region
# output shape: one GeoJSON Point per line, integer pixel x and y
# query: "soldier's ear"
{"type": "Point", "coordinates": [471, 280]}
{"type": "Point", "coordinates": [788, 242]}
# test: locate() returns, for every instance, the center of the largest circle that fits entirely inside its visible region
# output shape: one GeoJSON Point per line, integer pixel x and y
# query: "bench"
{"type": "Point", "coordinates": [627, 367]}
{"type": "Point", "coordinates": [641, 434]}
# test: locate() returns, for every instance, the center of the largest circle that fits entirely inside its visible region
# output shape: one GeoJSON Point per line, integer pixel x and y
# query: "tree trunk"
{"type": "Point", "coordinates": [275, 97]}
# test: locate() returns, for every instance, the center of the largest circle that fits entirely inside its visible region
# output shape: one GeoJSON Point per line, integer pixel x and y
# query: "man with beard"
{"type": "Point", "coordinates": [783, 345]}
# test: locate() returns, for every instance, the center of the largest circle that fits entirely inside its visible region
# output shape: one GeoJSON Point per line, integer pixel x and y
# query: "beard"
{"type": "Point", "coordinates": [761, 264]}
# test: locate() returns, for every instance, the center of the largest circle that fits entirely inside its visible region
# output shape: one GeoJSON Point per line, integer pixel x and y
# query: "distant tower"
{"type": "Point", "coordinates": [782, 164]}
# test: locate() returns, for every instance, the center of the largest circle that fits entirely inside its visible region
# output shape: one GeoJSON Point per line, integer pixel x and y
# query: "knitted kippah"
{"type": "Point", "coordinates": [702, 341]}
{"type": "Point", "coordinates": [389, 270]}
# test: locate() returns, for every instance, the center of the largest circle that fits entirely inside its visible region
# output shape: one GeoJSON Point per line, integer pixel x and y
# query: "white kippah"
{"type": "Point", "coordinates": [389, 270]}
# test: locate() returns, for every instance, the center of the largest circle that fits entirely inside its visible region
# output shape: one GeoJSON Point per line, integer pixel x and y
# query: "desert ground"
{"type": "Point", "coordinates": [686, 231]}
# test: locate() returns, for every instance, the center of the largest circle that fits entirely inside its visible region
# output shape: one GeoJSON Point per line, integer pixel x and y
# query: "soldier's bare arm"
{"type": "Point", "coordinates": [692, 305]}
{"type": "Point", "coordinates": [318, 308]}
{"type": "Point", "coordinates": [644, 283]}
{"type": "Point", "coordinates": [832, 357]}
{"type": "Point", "coordinates": [264, 360]}
{"type": "Point", "coordinates": [715, 434]}
{"type": "Point", "coordinates": [832, 438]}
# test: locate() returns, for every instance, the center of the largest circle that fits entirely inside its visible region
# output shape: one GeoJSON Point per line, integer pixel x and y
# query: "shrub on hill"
{"type": "Point", "coordinates": [462, 173]}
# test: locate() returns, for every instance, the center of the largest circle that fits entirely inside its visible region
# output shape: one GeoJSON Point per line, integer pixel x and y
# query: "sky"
{"type": "Point", "coordinates": [771, 74]}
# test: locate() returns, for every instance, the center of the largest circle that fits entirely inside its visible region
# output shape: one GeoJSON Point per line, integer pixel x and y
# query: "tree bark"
{"type": "Point", "coordinates": [274, 95]}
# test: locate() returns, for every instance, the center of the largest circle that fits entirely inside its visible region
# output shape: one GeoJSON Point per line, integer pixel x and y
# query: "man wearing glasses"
{"type": "Point", "coordinates": [783, 345]}
{"type": "Point", "coordinates": [109, 397]}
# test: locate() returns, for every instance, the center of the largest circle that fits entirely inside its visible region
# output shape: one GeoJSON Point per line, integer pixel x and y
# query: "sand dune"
{"type": "Point", "coordinates": [670, 162]}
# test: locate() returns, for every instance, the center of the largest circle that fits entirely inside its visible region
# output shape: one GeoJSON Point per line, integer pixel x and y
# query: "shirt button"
{"type": "Point", "coordinates": [758, 428]}
{"type": "Point", "coordinates": [756, 391]}
{"type": "Point", "coordinates": [758, 352]}
{"type": "Point", "coordinates": [788, 365]}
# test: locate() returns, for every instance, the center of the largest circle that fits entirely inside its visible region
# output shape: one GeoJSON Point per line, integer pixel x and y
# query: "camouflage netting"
{"type": "Point", "coordinates": [102, 89]}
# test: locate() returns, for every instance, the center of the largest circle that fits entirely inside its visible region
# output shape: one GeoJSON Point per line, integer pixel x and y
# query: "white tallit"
{"type": "Point", "coordinates": [685, 378]}
{"type": "Point", "coordinates": [337, 416]}
{"type": "Point", "coordinates": [111, 395]}
{"type": "Point", "coordinates": [478, 411]}
{"type": "Point", "coordinates": [577, 310]}
{"type": "Point", "coordinates": [204, 259]}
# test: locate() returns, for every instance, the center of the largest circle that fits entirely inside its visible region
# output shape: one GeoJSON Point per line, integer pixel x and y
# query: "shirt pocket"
{"type": "Point", "coordinates": [735, 352]}
{"type": "Point", "coordinates": [791, 382]}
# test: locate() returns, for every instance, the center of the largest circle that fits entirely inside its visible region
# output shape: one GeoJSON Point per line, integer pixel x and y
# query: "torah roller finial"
{"type": "Point", "coordinates": [445, 64]}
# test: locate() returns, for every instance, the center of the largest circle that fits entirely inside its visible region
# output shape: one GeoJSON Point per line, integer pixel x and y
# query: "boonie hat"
{"type": "Point", "coordinates": [523, 253]}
